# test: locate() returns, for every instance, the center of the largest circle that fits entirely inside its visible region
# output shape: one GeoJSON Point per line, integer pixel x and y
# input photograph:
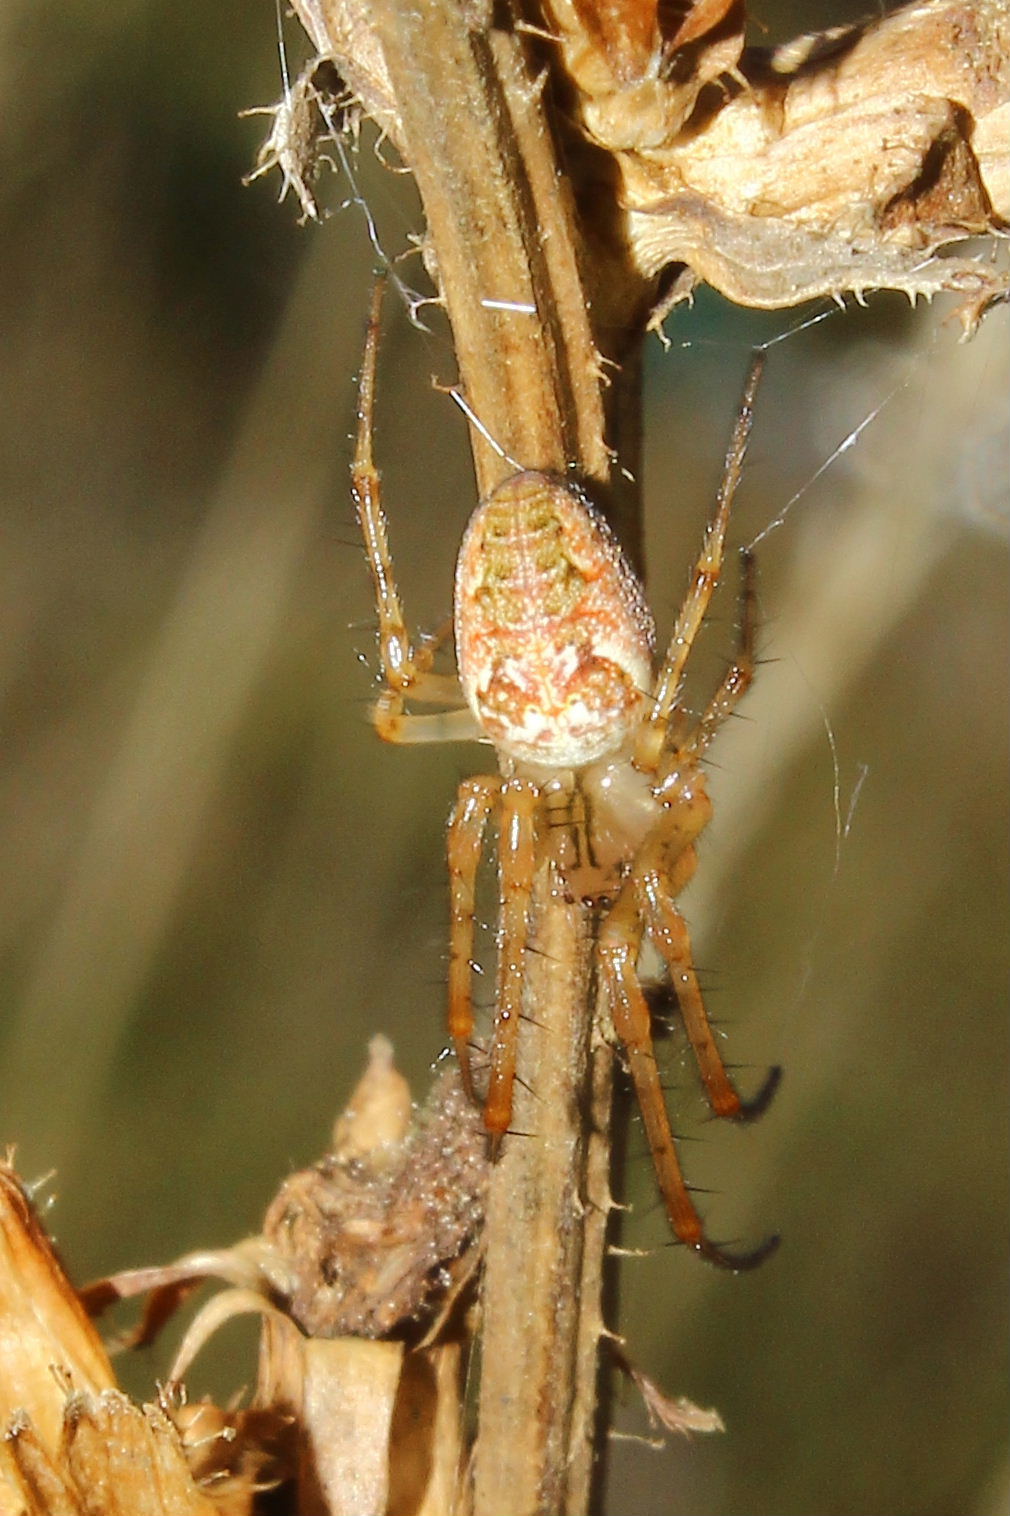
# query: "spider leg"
{"type": "Point", "coordinates": [467, 822]}
{"type": "Point", "coordinates": [407, 670]}
{"type": "Point", "coordinates": [394, 724]}
{"type": "Point", "coordinates": [738, 677]}
{"type": "Point", "coordinates": [668, 861]}
{"type": "Point", "coordinates": [658, 887]}
{"type": "Point", "coordinates": [516, 865]}
{"type": "Point", "coordinates": [652, 734]}
{"type": "Point", "coordinates": [620, 940]}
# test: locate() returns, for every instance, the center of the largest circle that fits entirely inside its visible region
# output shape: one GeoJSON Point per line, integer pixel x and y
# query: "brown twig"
{"type": "Point", "coordinates": [500, 227]}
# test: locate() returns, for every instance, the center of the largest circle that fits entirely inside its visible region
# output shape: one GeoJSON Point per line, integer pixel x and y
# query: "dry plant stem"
{"type": "Point", "coordinates": [500, 228]}
{"type": "Point", "coordinates": [541, 1312]}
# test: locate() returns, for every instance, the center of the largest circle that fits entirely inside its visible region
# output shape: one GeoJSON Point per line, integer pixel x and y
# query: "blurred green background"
{"type": "Point", "coordinates": [216, 884]}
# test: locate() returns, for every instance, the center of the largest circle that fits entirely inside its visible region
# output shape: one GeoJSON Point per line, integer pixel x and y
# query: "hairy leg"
{"type": "Point", "coordinates": [517, 857]}
{"type": "Point", "coordinates": [620, 941]}
{"type": "Point", "coordinates": [467, 823]}
{"type": "Point", "coordinates": [407, 669]}
{"type": "Point", "coordinates": [707, 570]}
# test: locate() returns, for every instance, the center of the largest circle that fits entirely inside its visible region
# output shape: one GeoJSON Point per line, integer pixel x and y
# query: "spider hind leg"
{"type": "Point", "coordinates": [659, 880]}
{"type": "Point", "coordinates": [618, 948]}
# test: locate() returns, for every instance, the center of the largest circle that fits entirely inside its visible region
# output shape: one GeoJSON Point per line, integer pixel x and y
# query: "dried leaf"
{"type": "Point", "coordinates": [342, 32]}
{"type": "Point", "coordinates": [128, 1461]}
{"type": "Point", "coordinates": [73, 1445]}
{"type": "Point", "coordinates": [378, 1115]}
{"type": "Point", "coordinates": [115, 1459]}
{"type": "Point", "coordinates": [678, 1415]}
{"type": "Point", "coordinates": [840, 168]}
{"type": "Point", "coordinates": [340, 1395]}
{"type": "Point", "coordinates": [248, 1265]}
{"type": "Point", "coordinates": [378, 1238]}
{"type": "Point", "coordinates": [47, 1344]}
{"type": "Point", "coordinates": [841, 162]}
{"type": "Point", "coordinates": [32, 1481]}
{"type": "Point", "coordinates": [379, 1427]}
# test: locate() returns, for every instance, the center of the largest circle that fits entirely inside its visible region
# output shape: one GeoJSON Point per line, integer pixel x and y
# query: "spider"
{"type": "Point", "coordinates": [554, 652]}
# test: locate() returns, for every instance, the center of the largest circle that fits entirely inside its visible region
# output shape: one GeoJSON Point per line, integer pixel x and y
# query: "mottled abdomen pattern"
{"type": "Point", "coordinates": [554, 639]}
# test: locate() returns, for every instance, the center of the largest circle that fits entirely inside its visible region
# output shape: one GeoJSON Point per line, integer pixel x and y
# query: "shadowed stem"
{"type": "Point", "coordinates": [547, 1218]}
{"type": "Point", "coordinates": [505, 251]}
{"type": "Point", "coordinates": [500, 227]}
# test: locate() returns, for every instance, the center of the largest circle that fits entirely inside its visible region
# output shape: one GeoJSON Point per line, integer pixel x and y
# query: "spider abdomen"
{"type": "Point", "coordinates": [553, 637]}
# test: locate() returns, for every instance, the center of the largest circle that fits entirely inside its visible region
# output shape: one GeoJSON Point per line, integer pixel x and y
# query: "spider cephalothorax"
{"type": "Point", "coordinates": [600, 765]}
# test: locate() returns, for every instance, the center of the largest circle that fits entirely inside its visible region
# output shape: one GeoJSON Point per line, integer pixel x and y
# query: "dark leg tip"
{"type": "Point", "coordinates": [462, 1049]}
{"type": "Point", "coordinates": [737, 1263]}
{"type": "Point", "coordinates": [750, 1110]}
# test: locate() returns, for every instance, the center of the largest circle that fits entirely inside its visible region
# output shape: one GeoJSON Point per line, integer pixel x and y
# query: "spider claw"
{"type": "Point", "coordinates": [750, 1110]}
{"type": "Point", "coordinates": [494, 1140]}
{"type": "Point", "coordinates": [736, 1263]}
{"type": "Point", "coordinates": [527, 1086]}
{"type": "Point", "coordinates": [465, 1071]}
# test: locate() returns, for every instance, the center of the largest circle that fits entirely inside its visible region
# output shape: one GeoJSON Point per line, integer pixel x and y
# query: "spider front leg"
{"type": "Point", "coordinates": [652, 734]}
{"type": "Point", "coordinates": [407, 669]}
{"type": "Point", "coordinates": [667, 862]}
{"type": "Point", "coordinates": [735, 682]}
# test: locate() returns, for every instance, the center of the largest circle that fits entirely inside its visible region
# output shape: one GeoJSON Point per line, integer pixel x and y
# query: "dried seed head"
{"type": "Point", "coordinates": [553, 636]}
